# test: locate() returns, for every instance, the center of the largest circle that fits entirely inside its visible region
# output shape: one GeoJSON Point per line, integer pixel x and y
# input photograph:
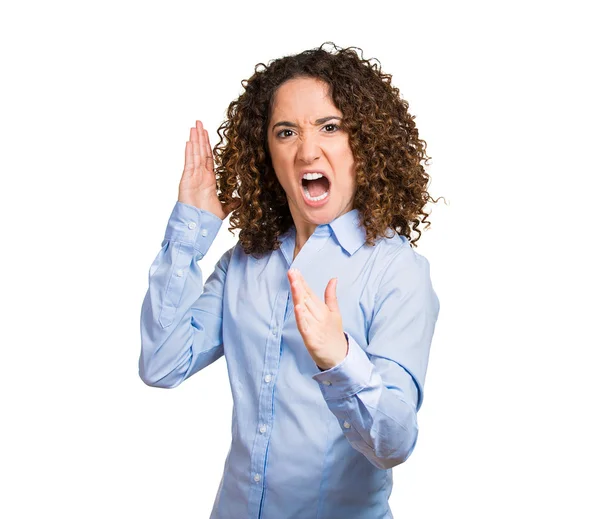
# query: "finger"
{"type": "Point", "coordinates": [196, 148]}
{"type": "Point", "coordinates": [302, 318]}
{"type": "Point", "coordinates": [303, 298]}
{"type": "Point", "coordinates": [303, 315]}
{"type": "Point", "coordinates": [292, 280]}
{"type": "Point", "coordinates": [208, 151]}
{"type": "Point", "coordinates": [298, 288]}
{"type": "Point", "coordinates": [298, 293]}
{"type": "Point", "coordinates": [312, 308]}
{"type": "Point", "coordinates": [201, 146]}
{"type": "Point", "coordinates": [200, 130]}
{"type": "Point", "coordinates": [189, 158]}
{"type": "Point", "coordinates": [207, 143]}
{"type": "Point", "coordinates": [307, 288]}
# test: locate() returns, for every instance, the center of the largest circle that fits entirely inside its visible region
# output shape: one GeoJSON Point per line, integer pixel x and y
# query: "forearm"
{"type": "Point", "coordinates": [378, 421]}
{"type": "Point", "coordinates": [175, 341]}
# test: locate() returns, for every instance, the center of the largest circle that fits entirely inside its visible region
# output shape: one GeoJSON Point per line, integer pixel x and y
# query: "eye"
{"type": "Point", "coordinates": [280, 134]}
{"type": "Point", "coordinates": [333, 127]}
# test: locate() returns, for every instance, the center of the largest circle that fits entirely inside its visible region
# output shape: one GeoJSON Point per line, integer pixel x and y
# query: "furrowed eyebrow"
{"type": "Point", "coordinates": [318, 121]}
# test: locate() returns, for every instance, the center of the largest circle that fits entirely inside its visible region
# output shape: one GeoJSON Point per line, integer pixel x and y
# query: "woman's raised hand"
{"type": "Point", "coordinates": [198, 185]}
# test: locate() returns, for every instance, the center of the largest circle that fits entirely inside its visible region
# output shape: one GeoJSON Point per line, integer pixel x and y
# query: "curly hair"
{"type": "Point", "coordinates": [391, 182]}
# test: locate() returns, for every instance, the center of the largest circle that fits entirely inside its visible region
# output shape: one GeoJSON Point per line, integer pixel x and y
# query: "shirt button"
{"type": "Point", "coordinates": [262, 429]}
{"type": "Point", "coordinates": [326, 382]}
{"type": "Point", "coordinates": [274, 330]}
{"type": "Point", "coordinates": [204, 232]}
{"type": "Point", "coordinates": [192, 225]}
{"type": "Point", "coordinates": [257, 477]}
{"type": "Point", "coordinates": [179, 273]}
{"type": "Point", "coordinates": [346, 425]}
{"type": "Point", "coordinates": [268, 378]}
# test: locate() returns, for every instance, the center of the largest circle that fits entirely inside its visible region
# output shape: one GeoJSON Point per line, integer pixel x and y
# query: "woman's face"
{"type": "Point", "coordinates": [304, 135]}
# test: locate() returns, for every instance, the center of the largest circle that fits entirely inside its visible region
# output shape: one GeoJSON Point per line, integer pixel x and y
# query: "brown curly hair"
{"type": "Point", "coordinates": [391, 182]}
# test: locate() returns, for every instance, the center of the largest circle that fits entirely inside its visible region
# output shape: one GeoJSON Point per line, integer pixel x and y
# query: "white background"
{"type": "Point", "coordinates": [97, 99]}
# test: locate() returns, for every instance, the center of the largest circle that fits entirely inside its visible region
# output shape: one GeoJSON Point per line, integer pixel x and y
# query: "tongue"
{"type": "Point", "coordinates": [318, 187]}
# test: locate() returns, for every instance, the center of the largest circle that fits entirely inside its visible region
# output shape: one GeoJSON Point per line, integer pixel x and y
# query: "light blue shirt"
{"type": "Point", "coordinates": [305, 443]}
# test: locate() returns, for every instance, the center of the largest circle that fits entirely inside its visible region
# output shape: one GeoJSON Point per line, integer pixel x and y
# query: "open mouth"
{"type": "Point", "coordinates": [317, 189]}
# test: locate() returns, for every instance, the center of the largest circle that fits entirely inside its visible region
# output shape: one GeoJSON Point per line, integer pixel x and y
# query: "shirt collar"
{"type": "Point", "coordinates": [348, 231]}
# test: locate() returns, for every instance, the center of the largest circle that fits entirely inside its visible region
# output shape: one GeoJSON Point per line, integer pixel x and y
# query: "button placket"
{"type": "Point", "coordinates": [264, 427]}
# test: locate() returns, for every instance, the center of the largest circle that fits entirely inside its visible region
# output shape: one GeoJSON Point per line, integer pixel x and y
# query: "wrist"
{"type": "Point", "coordinates": [324, 365]}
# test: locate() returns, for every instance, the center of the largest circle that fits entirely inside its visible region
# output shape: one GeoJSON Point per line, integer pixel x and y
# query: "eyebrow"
{"type": "Point", "coordinates": [318, 121]}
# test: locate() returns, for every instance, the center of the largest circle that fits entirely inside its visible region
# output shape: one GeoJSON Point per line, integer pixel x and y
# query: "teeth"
{"type": "Point", "coordinates": [312, 176]}
{"type": "Point", "coordinates": [316, 198]}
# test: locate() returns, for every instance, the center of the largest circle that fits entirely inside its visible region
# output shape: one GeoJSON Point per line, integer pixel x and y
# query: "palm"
{"type": "Point", "coordinates": [198, 185]}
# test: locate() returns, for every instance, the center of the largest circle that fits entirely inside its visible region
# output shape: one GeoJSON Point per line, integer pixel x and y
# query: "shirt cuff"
{"type": "Point", "coordinates": [347, 344]}
{"type": "Point", "coordinates": [349, 376]}
{"type": "Point", "coordinates": [193, 226]}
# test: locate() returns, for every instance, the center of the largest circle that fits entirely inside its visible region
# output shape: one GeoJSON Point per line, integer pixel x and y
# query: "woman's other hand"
{"type": "Point", "coordinates": [319, 323]}
{"type": "Point", "coordinates": [198, 185]}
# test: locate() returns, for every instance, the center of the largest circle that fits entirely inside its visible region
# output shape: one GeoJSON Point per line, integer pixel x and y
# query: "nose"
{"type": "Point", "coordinates": [308, 149]}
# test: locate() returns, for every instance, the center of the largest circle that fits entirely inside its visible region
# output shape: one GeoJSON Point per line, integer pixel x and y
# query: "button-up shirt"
{"type": "Point", "coordinates": [305, 443]}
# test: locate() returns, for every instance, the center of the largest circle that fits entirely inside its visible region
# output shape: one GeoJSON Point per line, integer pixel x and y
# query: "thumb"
{"type": "Point", "coordinates": [330, 295]}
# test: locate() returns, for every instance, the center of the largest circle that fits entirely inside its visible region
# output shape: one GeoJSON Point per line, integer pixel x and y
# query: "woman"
{"type": "Point", "coordinates": [325, 161]}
